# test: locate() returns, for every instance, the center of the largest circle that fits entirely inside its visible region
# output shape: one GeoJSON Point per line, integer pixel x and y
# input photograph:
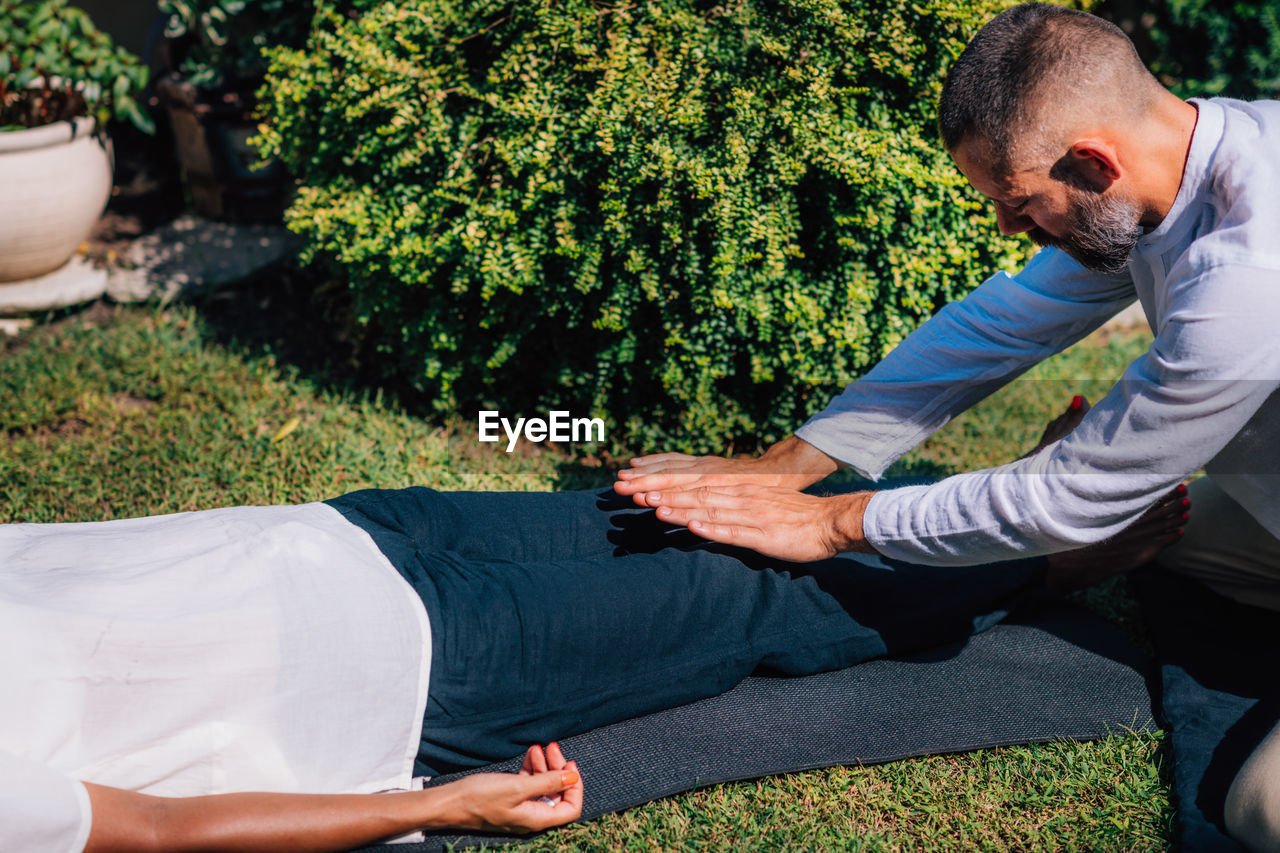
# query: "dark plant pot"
{"type": "Point", "coordinates": [224, 174]}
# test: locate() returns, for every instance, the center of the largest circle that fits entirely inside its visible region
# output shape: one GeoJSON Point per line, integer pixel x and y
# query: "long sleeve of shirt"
{"type": "Point", "coordinates": [965, 352]}
{"type": "Point", "coordinates": [1174, 410]}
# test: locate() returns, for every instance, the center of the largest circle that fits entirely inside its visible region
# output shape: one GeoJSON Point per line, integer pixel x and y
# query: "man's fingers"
{"type": "Point", "coordinates": [656, 468]}
{"type": "Point", "coordinates": [674, 480]}
{"type": "Point", "coordinates": [741, 505]}
{"type": "Point", "coordinates": [650, 481]}
{"type": "Point", "coordinates": [640, 485]}
{"type": "Point", "coordinates": [652, 466]}
{"type": "Point", "coordinates": [728, 534]}
{"type": "Point", "coordinates": [728, 513]}
{"type": "Point", "coordinates": [710, 494]}
{"type": "Point", "coordinates": [658, 458]}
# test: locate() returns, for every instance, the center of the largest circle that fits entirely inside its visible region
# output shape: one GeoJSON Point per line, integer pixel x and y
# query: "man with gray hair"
{"type": "Point", "coordinates": [1133, 193]}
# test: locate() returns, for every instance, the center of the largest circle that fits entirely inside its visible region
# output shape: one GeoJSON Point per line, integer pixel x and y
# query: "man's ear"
{"type": "Point", "coordinates": [1089, 164]}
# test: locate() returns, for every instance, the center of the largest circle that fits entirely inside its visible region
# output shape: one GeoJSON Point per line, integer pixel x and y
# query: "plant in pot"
{"type": "Point", "coordinates": [215, 52]}
{"type": "Point", "coordinates": [61, 80]}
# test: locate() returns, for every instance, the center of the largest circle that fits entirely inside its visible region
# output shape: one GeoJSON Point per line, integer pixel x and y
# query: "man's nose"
{"type": "Point", "coordinates": [1011, 223]}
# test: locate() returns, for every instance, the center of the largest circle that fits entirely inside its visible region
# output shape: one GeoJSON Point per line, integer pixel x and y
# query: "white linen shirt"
{"type": "Point", "coordinates": [241, 649]}
{"type": "Point", "coordinates": [1208, 279]}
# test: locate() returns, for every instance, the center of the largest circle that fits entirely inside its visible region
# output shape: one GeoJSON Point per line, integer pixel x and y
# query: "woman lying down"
{"type": "Point", "coordinates": [284, 677]}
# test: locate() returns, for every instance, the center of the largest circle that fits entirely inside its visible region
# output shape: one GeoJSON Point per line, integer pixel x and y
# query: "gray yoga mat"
{"type": "Point", "coordinates": [1056, 672]}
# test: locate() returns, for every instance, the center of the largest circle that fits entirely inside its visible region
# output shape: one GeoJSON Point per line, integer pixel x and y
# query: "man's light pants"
{"type": "Point", "coordinates": [1228, 551]}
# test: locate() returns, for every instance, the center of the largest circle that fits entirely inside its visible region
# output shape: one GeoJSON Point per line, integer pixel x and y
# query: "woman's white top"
{"type": "Point", "coordinates": [1208, 279]}
{"type": "Point", "coordinates": [242, 649]}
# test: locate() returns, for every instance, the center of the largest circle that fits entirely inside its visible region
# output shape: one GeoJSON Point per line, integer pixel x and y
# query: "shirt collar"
{"type": "Point", "coordinates": [1210, 121]}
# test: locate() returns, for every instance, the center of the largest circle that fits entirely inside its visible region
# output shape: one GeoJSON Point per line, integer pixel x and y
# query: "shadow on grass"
{"type": "Point", "coordinates": [304, 319]}
{"type": "Point", "coordinates": [299, 317]}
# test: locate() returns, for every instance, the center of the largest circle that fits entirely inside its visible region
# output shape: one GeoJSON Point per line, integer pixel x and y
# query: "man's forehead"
{"type": "Point", "coordinates": [987, 173]}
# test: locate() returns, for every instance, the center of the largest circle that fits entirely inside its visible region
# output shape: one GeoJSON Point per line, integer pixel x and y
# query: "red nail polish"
{"type": "Point", "coordinates": [1182, 489]}
{"type": "Point", "coordinates": [1181, 531]}
{"type": "Point", "coordinates": [1076, 402]}
{"type": "Point", "coordinates": [1186, 502]}
{"type": "Point", "coordinates": [1185, 516]}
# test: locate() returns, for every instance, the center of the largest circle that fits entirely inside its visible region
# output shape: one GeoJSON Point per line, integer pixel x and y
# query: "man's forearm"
{"type": "Point", "coordinates": [798, 463]}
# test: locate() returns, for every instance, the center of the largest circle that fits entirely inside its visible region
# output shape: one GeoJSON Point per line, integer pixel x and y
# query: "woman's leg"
{"type": "Point", "coordinates": [527, 651]}
{"type": "Point", "coordinates": [1253, 801]}
{"type": "Point", "coordinates": [1235, 556]}
{"type": "Point", "coordinates": [507, 525]}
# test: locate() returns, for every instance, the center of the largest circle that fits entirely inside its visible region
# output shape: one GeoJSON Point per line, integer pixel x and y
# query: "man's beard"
{"type": "Point", "coordinates": [1101, 231]}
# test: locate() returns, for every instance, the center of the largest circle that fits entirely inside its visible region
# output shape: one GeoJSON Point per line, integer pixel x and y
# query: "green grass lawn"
{"type": "Point", "coordinates": [124, 412]}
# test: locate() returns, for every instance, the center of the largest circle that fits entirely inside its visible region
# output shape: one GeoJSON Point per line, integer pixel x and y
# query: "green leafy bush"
{"type": "Point", "coordinates": [1213, 51]}
{"type": "Point", "coordinates": [1202, 48]}
{"type": "Point", "coordinates": [697, 220]}
{"type": "Point", "coordinates": [1209, 49]}
{"type": "Point", "coordinates": [220, 39]}
{"type": "Point", "coordinates": [55, 65]}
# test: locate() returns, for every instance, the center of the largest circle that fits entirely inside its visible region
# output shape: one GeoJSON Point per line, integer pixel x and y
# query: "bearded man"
{"type": "Point", "coordinates": [1133, 193]}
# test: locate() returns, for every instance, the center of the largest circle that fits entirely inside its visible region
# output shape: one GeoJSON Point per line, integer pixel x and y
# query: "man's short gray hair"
{"type": "Point", "coordinates": [1029, 68]}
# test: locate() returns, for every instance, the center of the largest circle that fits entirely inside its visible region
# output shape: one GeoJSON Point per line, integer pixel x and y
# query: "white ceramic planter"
{"type": "Point", "coordinates": [54, 184]}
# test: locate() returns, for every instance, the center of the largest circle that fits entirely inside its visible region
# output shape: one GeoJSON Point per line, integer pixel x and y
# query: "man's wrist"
{"type": "Point", "coordinates": [848, 532]}
{"type": "Point", "coordinates": [795, 463]}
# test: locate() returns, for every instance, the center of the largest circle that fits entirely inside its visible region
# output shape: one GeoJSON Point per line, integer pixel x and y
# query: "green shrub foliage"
{"type": "Point", "coordinates": [697, 220]}
{"type": "Point", "coordinates": [1207, 48]}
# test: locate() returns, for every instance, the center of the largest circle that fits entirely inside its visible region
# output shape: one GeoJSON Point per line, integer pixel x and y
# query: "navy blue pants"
{"type": "Point", "coordinates": [555, 613]}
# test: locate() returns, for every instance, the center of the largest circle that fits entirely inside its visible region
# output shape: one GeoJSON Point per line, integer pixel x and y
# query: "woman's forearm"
{"type": "Point", "coordinates": [130, 822]}
{"type": "Point", "coordinates": [126, 821]}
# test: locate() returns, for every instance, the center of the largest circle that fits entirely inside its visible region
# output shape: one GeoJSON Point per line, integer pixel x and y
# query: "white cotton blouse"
{"type": "Point", "coordinates": [1208, 279]}
{"type": "Point", "coordinates": [241, 649]}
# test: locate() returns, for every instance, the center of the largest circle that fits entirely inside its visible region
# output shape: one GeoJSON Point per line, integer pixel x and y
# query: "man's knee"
{"type": "Point", "coordinates": [1226, 549]}
{"type": "Point", "coordinates": [1253, 801]}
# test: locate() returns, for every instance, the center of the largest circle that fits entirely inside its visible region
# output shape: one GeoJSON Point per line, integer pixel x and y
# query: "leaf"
{"type": "Point", "coordinates": [175, 27]}
{"type": "Point", "coordinates": [289, 426]}
{"type": "Point", "coordinates": [130, 110]}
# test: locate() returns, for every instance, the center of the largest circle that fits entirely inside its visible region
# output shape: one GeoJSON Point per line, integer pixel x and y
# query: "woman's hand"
{"type": "Point", "coordinates": [546, 792]}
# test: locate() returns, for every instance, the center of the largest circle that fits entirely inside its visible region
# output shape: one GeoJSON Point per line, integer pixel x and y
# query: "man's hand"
{"type": "Point", "coordinates": [777, 522]}
{"type": "Point", "coordinates": [792, 463]}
